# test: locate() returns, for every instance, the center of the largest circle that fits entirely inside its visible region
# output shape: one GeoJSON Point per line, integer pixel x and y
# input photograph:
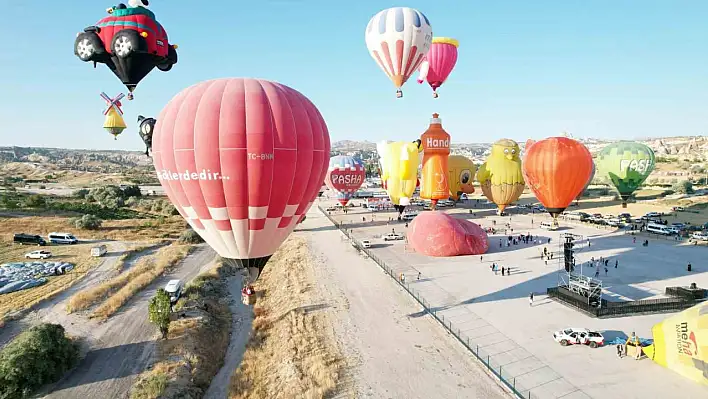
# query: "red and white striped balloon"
{"type": "Point", "coordinates": [242, 160]}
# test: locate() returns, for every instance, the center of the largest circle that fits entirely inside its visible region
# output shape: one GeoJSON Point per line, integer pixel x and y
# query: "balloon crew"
{"type": "Point", "coordinates": [500, 176]}
{"type": "Point", "coordinates": [439, 62]}
{"type": "Point", "coordinates": [398, 38]}
{"type": "Point", "coordinates": [146, 126]}
{"type": "Point", "coordinates": [436, 149]}
{"type": "Point", "coordinates": [129, 41]}
{"type": "Point", "coordinates": [114, 123]}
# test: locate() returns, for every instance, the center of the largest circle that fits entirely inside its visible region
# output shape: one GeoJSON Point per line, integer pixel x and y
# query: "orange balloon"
{"type": "Point", "coordinates": [556, 169]}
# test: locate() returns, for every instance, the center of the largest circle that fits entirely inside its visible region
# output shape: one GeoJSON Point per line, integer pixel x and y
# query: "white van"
{"type": "Point", "coordinates": [99, 250]}
{"type": "Point", "coordinates": [174, 290]}
{"type": "Point", "coordinates": [549, 225]}
{"type": "Point", "coordinates": [366, 243]}
{"type": "Point", "coordinates": [573, 216]}
{"type": "Point", "coordinates": [659, 229]}
{"type": "Point", "coordinates": [62, 238]}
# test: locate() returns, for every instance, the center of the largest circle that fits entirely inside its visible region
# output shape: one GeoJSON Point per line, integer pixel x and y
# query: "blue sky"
{"type": "Point", "coordinates": [526, 69]}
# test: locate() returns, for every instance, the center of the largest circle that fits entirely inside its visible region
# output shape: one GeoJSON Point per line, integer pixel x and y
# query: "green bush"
{"type": "Point", "coordinates": [35, 201]}
{"type": "Point", "coordinates": [132, 191]}
{"type": "Point", "coordinates": [190, 237]}
{"type": "Point", "coordinates": [88, 222]}
{"type": "Point", "coordinates": [38, 356]}
{"type": "Point", "coordinates": [80, 193]}
{"type": "Point", "coordinates": [683, 187]}
{"type": "Point", "coordinates": [95, 209]}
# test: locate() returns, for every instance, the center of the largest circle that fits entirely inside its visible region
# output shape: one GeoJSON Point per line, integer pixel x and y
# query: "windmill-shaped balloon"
{"type": "Point", "coordinates": [114, 123]}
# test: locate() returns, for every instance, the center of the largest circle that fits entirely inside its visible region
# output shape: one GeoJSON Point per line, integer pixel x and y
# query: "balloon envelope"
{"type": "Point", "coordinates": [557, 169]}
{"type": "Point", "coordinates": [399, 171]}
{"type": "Point", "coordinates": [439, 234]}
{"type": "Point", "coordinates": [501, 176]}
{"type": "Point", "coordinates": [626, 165]}
{"type": "Point", "coordinates": [344, 176]}
{"type": "Point", "coordinates": [242, 160]}
{"type": "Point", "coordinates": [398, 38]}
{"type": "Point", "coordinates": [461, 173]}
{"type": "Point", "coordinates": [439, 62]}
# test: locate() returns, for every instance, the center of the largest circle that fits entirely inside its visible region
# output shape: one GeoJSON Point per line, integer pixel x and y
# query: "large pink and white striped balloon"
{"type": "Point", "coordinates": [242, 160]}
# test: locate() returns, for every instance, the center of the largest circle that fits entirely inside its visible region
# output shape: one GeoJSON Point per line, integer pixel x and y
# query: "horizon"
{"type": "Point", "coordinates": [606, 71]}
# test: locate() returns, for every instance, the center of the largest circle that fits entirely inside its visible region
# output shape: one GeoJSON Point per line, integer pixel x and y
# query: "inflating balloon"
{"type": "Point", "coordinates": [627, 165]}
{"type": "Point", "coordinates": [439, 234]}
{"type": "Point", "coordinates": [439, 62]}
{"type": "Point", "coordinates": [146, 127]}
{"type": "Point", "coordinates": [681, 343]}
{"type": "Point", "coordinates": [592, 176]}
{"type": "Point", "coordinates": [501, 176]}
{"type": "Point", "coordinates": [398, 38]}
{"type": "Point", "coordinates": [129, 41]}
{"type": "Point", "coordinates": [399, 171]}
{"type": "Point", "coordinates": [114, 123]}
{"type": "Point", "coordinates": [242, 160]}
{"type": "Point", "coordinates": [436, 149]}
{"type": "Point", "coordinates": [557, 169]}
{"type": "Point", "coordinates": [344, 176]}
{"type": "Point", "coordinates": [461, 173]}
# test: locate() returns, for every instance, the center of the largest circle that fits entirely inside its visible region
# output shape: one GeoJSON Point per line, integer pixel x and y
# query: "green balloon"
{"type": "Point", "coordinates": [626, 164]}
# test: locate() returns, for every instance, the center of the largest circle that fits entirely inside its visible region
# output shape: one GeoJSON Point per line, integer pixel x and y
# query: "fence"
{"type": "Point", "coordinates": [605, 308]}
{"type": "Point", "coordinates": [486, 359]}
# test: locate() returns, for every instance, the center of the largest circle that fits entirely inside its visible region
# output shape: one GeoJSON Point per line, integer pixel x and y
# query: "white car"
{"type": "Point", "coordinates": [393, 237]}
{"type": "Point", "coordinates": [700, 236]}
{"type": "Point", "coordinates": [578, 336]}
{"type": "Point", "coordinates": [366, 243]}
{"type": "Point", "coordinates": [41, 254]}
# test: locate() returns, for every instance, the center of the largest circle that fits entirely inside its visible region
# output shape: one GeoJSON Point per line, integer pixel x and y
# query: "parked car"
{"type": "Point", "coordinates": [174, 290]}
{"type": "Point", "coordinates": [652, 215]}
{"type": "Point", "coordinates": [62, 238]}
{"type": "Point", "coordinates": [578, 336]}
{"type": "Point", "coordinates": [678, 209]}
{"type": "Point", "coordinates": [393, 237]}
{"type": "Point", "coordinates": [99, 250]}
{"type": "Point", "coordinates": [331, 209]}
{"type": "Point", "coordinates": [701, 236]}
{"type": "Point", "coordinates": [39, 254]}
{"type": "Point", "coordinates": [366, 243]}
{"type": "Point", "coordinates": [29, 239]}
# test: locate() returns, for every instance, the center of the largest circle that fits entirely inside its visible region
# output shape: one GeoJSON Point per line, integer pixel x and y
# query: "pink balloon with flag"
{"type": "Point", "coordinates": [439, 62]}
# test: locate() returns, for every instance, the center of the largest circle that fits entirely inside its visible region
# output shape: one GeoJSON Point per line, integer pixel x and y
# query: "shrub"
{"type": "Point", "coordinates": [683, 187]}
{"type": "Point", "coordinates": [81, 193]}
{"type": "Point", "coordinates": [190, 237]}
{"type": "Point", "coordinates": [132, 191]}
{"type": "Point", "coordinates": [88, 222]}
{"type": "Point", "coordinates": [133, 202]}
{"type": "Point", "coordinates": [160, 311]}
{"type": "Point", "coordinates": [38, 356]}
{"type": "Point", "coordinates": [35, 201]}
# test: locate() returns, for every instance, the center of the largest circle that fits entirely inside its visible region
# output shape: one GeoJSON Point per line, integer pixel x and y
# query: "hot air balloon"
{"type": "Point", "coordinates": [592, 176]}
{"type": "Point", "coordinates": [461, 173]}
{"type": "Point", "coordinates": [114, 123]}
{"type": "Point", "coordinates": [501, 176]}
{"type": "Point", "coordinates": [242, 160]}
{"type": "Point", "coordinates": [627, 165]}
{"type": "Point", "coordinates": [436, 149]}
{"type": "Point", "coordinates": [681, 343]}
{"type": "Point", "coordinates": [398, 38]}
{"type": "Point", "coordinates": [439, 62]}
{"type": "Point", "coordinates": [146, 126]}
{"type": "Point", "coordinates": [344, 176]}
{"type": "Point", "coordinates": [557, 169]}
{"type": "Point", "coordinates": [129, 41]}
{"type": "Point", "coordinates": [399, 171]}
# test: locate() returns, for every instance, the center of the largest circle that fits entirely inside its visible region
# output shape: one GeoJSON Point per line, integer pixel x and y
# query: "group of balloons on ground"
{"type": "Point", "coordinates": [243, 160]}
{"type": "Point", "coordinates": [557, 169]}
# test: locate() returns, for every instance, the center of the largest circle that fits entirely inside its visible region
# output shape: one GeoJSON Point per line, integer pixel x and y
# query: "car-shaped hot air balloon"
{"type": "Point", "coordinates": [129, 41]}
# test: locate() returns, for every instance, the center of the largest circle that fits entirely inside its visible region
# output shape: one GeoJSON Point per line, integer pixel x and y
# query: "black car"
{"type": "Point", "coordinates": [29, 239]}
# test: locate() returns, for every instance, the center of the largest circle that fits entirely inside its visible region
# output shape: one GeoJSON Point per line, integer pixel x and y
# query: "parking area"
{"type": "Point", "coordinates": [495, 309]}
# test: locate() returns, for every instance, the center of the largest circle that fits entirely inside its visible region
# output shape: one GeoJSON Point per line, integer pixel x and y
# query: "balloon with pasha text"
{"type": "Point", "coordinates": [242, 160]}
{"type": "Point", "coordinates": [439, 234]}
{"type": "Point", "coordinates": [398, 38]}
{"type": "Point", "coordinates": [439, 62]}
{"type": "Point", "coordinates": [556, 169]}
{"type": "Point", "coordinates": [344, 176]}
{"type": "Point", "coordinates": [626, 165]}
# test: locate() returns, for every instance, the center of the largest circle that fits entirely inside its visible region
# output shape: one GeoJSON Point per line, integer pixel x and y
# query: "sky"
{"type": "Point", "coordinates": [612, 69]}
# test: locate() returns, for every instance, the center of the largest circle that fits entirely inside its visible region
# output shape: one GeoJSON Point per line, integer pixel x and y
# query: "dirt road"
{"type": "Point", "coordinates": [122, 347]}
{"type": "Point", "coordinates": [393, 349]}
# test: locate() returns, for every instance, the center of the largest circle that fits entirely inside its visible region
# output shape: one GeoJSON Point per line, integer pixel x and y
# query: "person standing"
{"type": "Point", "coordinates": [616, 263]}
{"type": "Point", "coordinates": [418, 276]}
{"type": "Point", "coordinates": [688, 267]}
{"type": "Point", "coordinates": [531, 299]}
{"type": "Point", "coordinates": [502, 270]}
{"type": "Point", "coordinates": [605, 271]}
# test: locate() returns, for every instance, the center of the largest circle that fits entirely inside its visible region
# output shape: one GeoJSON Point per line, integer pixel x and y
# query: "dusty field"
{"type": "Point", "coordinates": [79, 255]}
{"type": "Point", "coordinates": [292, 352]}
{"type": "Point", "coordinates": [122, 230]}
{"type": "Point", "coordinates": [197, 341]}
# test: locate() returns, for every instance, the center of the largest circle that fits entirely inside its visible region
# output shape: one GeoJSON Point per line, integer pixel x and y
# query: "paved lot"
{"type": "Point", "coordinates": [494, 311]}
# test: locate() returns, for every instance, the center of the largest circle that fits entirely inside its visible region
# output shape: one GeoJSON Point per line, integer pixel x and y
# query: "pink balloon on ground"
{"type": "Point", "coordinates": [439, 234]}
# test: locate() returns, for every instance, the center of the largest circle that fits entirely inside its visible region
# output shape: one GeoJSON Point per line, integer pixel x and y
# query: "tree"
{"type": "Point", "coordinates": [88, 222]}
{"type": "Point", "coordinates": [683, 187]}
{"type": "Point", "coordinates": [190, 236]}
{"type": "Point", "coordinates": [131, 191]}
{"type": "Point", "coordinates": [160, 310]}
{"type": "Point", "coordinates": [35, 201]}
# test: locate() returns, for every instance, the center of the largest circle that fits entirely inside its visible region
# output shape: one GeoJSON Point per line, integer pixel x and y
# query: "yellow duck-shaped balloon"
{"type": "Point", "coordinates": [461, 172]}
{"type": "Point", "coordinates": [501, 177]}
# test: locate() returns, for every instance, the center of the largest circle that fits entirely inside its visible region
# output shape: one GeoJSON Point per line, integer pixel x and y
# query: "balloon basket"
{"type": "Point", "coordinates": [399, 94]}
{"type": "Point", "coordinates": [130, 96]}
{"type": "Point", "coordinates": [435, 95]}
{"type": "Point", "coordinates": [248, 300]}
